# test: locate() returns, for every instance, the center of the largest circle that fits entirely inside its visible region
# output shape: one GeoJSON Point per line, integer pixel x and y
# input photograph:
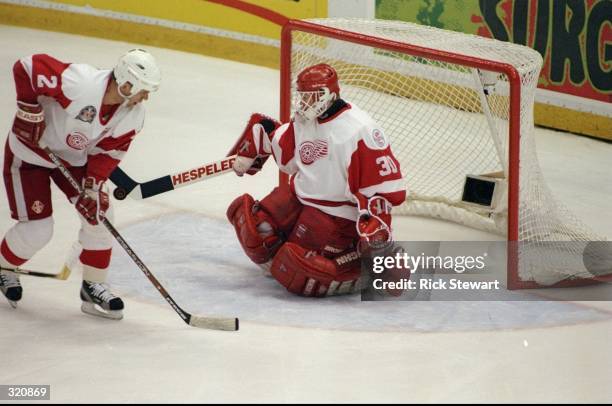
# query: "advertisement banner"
{"type": "Point", "coordinates": [574, 38]}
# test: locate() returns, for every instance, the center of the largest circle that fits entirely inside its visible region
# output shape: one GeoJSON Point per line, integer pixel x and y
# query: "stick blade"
{"type": "Point", "coordinates": [64, 274]}
{"type": "Point", "coordinates": [213, 323]}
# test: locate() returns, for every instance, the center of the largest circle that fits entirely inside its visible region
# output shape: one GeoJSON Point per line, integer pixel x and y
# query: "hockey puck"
{"type": "Point", "coordinates": [120, 193]}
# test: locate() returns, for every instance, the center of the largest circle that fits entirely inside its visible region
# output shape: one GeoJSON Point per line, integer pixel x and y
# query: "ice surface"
{"type": "Point", "coordinates": [203, 263]}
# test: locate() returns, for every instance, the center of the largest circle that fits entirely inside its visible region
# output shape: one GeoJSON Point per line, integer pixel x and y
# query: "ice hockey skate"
{"type": "Point", "coordinates": [99, 301]}
{"type": "Point", "coordinates": [11, 287]}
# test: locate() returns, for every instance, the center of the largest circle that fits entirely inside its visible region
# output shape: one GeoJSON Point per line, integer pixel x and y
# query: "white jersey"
{"type": "Point", "coordinates": [336, 157]}
{"type": "Point", "coordinates": [76, 130]}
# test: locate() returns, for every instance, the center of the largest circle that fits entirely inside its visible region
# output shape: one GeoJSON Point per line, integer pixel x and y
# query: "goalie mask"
{"type": "Point", "coordinates": [317, 88]}
{"type": "Point", "coordinates": [138, 68]}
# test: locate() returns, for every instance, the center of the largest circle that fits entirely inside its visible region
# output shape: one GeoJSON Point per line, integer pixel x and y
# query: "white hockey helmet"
{"type": "Point", "coordinates": [138, 67]}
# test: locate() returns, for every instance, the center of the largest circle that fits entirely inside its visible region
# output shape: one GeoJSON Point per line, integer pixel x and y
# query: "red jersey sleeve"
{"type": "Point", "coordinates": [40, 75]}
{"type": "Point", "coordinates": [376, 172]}
{"type": "Point", "coordinates": [283, 148]}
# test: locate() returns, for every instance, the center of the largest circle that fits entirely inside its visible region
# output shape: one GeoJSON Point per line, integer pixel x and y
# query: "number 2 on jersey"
{"type": "Point", "coordinates": [42, 81]}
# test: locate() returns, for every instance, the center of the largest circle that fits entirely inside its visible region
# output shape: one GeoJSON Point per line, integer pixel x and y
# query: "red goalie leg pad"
{"type": "Point", "coordinates": [283, 207]}
{"type": "Point", "coordinates": [308, 274]}
{"type": "Point", "coordinates": [259, 240]}
{"type": "Point", "coordinates": [327, 235]}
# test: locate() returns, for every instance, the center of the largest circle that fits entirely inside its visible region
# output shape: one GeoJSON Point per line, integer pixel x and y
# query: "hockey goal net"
{"type": "Point", "coordinates": [458, 109]}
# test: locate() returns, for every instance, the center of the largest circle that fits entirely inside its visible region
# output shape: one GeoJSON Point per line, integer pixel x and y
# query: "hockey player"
{"type": "Point", "coordinates": [344, 182]}
{"type": "Point", "coordinates": [87, 117]}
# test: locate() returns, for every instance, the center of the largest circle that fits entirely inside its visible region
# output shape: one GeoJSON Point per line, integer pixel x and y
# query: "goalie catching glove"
{"type": "Point", "coordinates": [254, 145]}
{"type": "Point", "coordinates": [93, 202]}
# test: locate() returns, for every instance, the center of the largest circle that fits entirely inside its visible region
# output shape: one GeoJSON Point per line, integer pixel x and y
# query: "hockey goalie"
{"type": "Point", "coordinates": [344, 181]}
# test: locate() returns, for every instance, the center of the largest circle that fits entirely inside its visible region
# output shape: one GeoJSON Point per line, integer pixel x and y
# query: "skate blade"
{"type": "Point", "coordinates": [11, 302]}
{"type": "Point", "coordinates": [92, 309]}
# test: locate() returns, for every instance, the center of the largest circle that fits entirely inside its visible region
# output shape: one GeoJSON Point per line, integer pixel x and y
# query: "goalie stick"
{"type": "Point", "coordinates": [126, 186]}
{"type": "Point", "coordinates": [63, 275]}
{"type": "Point", "coordinates": [230, 324]}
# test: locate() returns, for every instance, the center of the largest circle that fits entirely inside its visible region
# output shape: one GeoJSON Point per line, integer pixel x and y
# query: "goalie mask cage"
{"type": "Point", "coordinates": [453, 105]}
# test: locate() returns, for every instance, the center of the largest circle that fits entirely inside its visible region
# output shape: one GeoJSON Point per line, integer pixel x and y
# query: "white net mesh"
{"type": "Point", "coordinates": [443, 127]}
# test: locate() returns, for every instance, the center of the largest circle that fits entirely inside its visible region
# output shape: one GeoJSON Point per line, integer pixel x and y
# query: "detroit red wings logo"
{"type": "Point", "coordinates": [311, 151]}
{"type": "Point", "coordinates": [77, 140]}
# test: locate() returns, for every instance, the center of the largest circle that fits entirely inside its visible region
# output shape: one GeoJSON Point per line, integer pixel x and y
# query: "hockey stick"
{"type": "Point", "coordinates": [126, 186]}
{"type": "Point", "coordinates": [215, 323]}
{"type": "Point", "coordinates": [63, 275]}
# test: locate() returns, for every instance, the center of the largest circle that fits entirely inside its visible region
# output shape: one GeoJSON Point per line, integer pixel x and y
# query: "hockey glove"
{"type": "Point", "coordinates": [374, 224]}
{"type": "Point", "coordinates": [93, 202]}
{"type": "Point", "coordinates": [29, 123]}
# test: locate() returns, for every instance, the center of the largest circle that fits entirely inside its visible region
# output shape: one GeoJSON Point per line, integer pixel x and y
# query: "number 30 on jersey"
{"type": "Point", "coordinates": [387, 165]}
